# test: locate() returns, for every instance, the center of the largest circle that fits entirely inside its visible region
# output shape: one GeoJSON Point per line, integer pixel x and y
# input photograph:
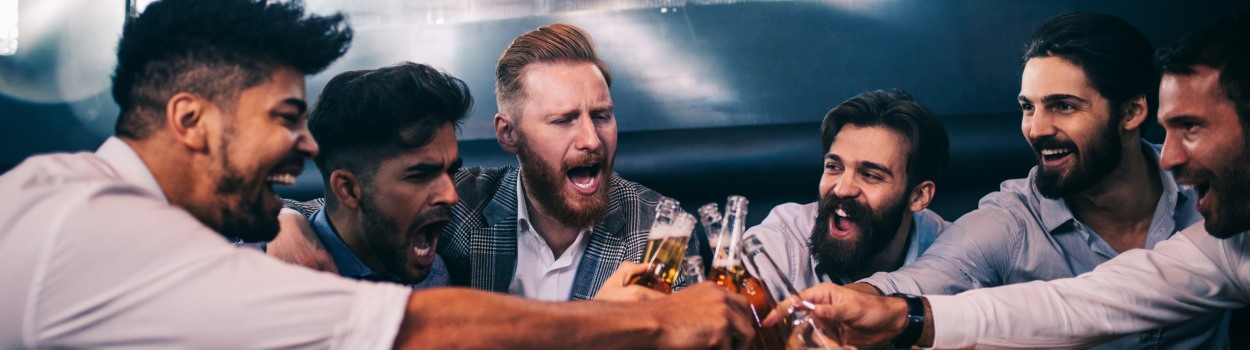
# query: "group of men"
{"type": "Point", "coordinates": [128, 246]}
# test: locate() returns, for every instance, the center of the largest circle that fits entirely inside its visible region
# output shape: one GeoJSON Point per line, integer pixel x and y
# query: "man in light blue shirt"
{"type": "Point", "coordinates": [1087, 90]}
{"type": "Point", "coordinates": [883, 153]}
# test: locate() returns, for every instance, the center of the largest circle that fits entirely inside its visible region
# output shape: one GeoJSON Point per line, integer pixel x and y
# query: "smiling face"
{"type": "Point", "coordinates": [1069, 125]}
{"type": "Point", "coordinates": [863, 196]}
{"type": "Point", "coordinates": [566, 140]}
{"type": "Point", "coordinates": [1206, 148]}
{"type": "Point", "coordinates": [263, 143]}
{"type": "Point", "coordinates": [407, 203]}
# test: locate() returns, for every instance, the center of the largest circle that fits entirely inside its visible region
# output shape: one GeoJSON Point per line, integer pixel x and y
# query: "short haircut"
{"type": "Point", "coordinates": [1116, 57]}
{"type": "Point", "coordinates": [927, 144]}
{"type": "Point", "coordinates": [364, 117]}
{"type": "Point", "coordinates": [554, 43]}
{"type": "Point", "coordinates": [214, 49]}
{"type": "Point", "coordinates": [1224, 45]}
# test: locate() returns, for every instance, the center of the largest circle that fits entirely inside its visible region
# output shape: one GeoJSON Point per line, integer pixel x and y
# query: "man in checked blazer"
{"type": "Point", "coordinates": [560, 225]}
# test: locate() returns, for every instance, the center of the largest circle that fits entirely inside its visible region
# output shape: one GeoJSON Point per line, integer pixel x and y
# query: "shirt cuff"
{"type": "Point", "coordinates": [954, 325]}
{"type": "Point", "coordinates": [375, 318]}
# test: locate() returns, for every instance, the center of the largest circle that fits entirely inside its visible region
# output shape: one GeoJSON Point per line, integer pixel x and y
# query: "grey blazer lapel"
{"type": "Point", "coordinates": [494, 251]}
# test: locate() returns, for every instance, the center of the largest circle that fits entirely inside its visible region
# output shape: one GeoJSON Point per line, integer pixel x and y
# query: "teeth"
{"type": "Point", "coordinates": [281, 179]}
{"type": "Point", "coordinates": [1187, 187]}
{"type": "Point", "coordinates": [1051, 152]}
{"type": "Point", "coordinates": [840, 212]}
{"type": "Point", "coordinates": [422, 251]}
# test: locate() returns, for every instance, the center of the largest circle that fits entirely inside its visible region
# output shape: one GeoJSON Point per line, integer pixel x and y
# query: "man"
{"type": "Point", "coordinates": [1087, 88]}
{"type": "Point", "coordinates": [117, 248]}
{"type": "Point", "coordinates": [385, 136]}
{"type": "Point", "coordinates": [557, 227]}
{"type": "Point", "coordinates": [884, 152]}
{"type": "Point", "coordinates": [1205, 109]}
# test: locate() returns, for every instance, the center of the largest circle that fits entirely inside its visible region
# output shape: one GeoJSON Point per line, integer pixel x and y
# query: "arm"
{"type": "Point", "coordinates": [297, 244]}
{"type": "Point", "coordinates": [702, 316]}
{"type": "Point", "coordinates": [969, 254]}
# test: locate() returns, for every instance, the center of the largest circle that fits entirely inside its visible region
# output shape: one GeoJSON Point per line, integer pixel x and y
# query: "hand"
{"type": "Point", "coordinates": [614, 288]}
{"type": "Point", "coordinates": [703, 316]}
{"type": "Point", "coordinates": [866, 320]}
{"type": "Point", "coordinates": [296, 243]}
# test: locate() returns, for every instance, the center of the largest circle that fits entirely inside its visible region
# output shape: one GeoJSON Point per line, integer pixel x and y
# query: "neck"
{"type": "Point", "coordinates": [349, 226]}
{"type": "Point", "coordinates": [890, 258]}
{"type": "Point", "coordinates": [181, 175]}
{"type": "Point", "coordinates": [1121, 206]}
{"type": "Point", "coordinates": [558, 236]}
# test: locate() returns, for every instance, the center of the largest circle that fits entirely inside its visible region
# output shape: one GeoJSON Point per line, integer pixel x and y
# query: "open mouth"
{"type": "Point", "coordinates": [585, 179]}
{"type": "Point", "coordinates": [1055, 155]}
{"type": "Point", "coordinates": [840, 224]}
{"type": "Point", "coordinates": [425, 239]}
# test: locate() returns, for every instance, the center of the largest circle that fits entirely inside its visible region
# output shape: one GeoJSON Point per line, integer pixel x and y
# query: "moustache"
{"type": "Point", "coordinates": [587, 159]}
{"type": "Point", "coordinates": [855, 211]}
{"type": "Point", "coordinates": [1045, 142]}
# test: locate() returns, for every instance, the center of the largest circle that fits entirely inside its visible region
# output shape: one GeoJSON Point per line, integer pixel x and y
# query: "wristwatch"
{"type": "Point", "coordinates": [915, 322]}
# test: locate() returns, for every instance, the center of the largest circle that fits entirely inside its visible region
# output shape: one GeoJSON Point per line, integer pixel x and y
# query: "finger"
{"type": "Point", "coordinates": [643, 293]}
{"type": "Point", "coordinates": [778, 312]}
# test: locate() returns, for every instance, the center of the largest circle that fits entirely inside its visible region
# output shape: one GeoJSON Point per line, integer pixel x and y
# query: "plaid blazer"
{"type": "Point", "coordinates": [480, 245]}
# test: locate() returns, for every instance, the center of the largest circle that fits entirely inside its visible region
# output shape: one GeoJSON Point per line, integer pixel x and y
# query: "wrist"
{"type": "Point", "coordinates": [913, 320]}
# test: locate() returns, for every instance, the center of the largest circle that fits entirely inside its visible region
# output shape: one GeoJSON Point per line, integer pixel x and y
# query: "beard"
{"type": "Point", "coordinates": [1230, 195]}
{"type": "Point", "coordinates": [1093, 163]}
{"type": "Point", "coordinates": [242, 218]}
{"type": "Point", "coordinates": [545, 182]}
{"type": "Point", "coordinates": [393, 247]}
{"type": "Point", "coordinates": [875, 233]}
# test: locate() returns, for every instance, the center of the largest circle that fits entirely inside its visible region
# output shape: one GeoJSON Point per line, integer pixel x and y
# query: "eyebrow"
{"type": "Point", "coordinates": [434, 166]}
{"type": "Point", "coordinates": [297, 103]}
{"type": "Point", "coordinates": [863, 164]}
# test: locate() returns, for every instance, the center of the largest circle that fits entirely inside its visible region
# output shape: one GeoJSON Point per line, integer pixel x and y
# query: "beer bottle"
{"type": "Point", "coordinates": [730, 273]}
{"type": "Point", "coordinates": [805, 332]}
{"type": "Point", "coordinates": [666, 245]}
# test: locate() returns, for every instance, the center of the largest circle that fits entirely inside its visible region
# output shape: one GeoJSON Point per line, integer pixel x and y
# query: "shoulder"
{"type": "Point", "coordinates": [790, 217]}
{"type": "Point", "coordinates": [479, 184]}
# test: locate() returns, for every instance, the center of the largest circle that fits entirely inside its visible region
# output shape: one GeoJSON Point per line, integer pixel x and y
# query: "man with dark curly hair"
{"type": "Point", "coordinates": [124, 247]}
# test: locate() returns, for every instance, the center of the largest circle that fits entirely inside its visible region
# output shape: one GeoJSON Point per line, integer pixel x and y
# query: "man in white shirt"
{"type": "Point", "coordinates": [1205, 109]}
{"type": "Point", "coordinates": [121, 248]}
{"type": "Point", "coordinates": [884, 153]}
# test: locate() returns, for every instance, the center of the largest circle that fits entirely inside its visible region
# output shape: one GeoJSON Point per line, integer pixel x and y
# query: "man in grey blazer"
{"type": "Point", "coordinates": [559, 225]}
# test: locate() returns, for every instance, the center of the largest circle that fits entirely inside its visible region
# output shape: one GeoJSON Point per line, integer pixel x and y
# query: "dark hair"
{"type": "Point", "coordinates": [365, 116]}
{"type": "Point", "coordinates": [557, 42]}
{"type": "Point", "coordinates": [1116, 57]}
{"type": "Point", "coordinates": [214, 49]}
{"type": "Point", "coordinates": [1225, 46]}
{"type": "Point", "coordinates": [928, 146]}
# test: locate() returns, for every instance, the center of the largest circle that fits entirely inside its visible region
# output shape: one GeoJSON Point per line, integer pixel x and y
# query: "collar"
{"type": "Point", "coordinates": [1055, 212]}
{"type": "Point", "coordinates": [348, 263]}
{"type": "Point", "coordinates": [129, 166]}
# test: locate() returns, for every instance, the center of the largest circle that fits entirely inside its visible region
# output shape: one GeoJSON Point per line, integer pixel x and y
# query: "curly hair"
{"type": "Point", "coordinates": [214, 49]}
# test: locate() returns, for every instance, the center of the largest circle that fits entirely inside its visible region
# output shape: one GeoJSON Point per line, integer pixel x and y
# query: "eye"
{"type": "Point", "coordinates": [872, 178]}
{"type": "Point", "coordinates": [833, 168]}
{"type": "Point", "coordinates": [1026, 107]}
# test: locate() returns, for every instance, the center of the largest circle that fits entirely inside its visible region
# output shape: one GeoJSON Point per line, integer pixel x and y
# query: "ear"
{"type": "Point", "coordinates": [505, 133]}
{"type": "Point", "coordinates": [921, 196]}
{"type": "Point", "coordinates": [1135, 111]}
{"type": "Point", "coordinates": [346, 188]}
{"type": "Point", "coordinates": [186, 114]}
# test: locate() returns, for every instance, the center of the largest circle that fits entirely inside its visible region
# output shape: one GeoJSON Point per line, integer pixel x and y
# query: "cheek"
{"type": "Point", "coordinates": [826, 183]}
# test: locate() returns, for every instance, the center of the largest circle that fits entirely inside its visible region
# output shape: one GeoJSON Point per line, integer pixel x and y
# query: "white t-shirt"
{"type": "Point", "coordinates": [92, 256]}
{"type": "Point", "coordinates": [539, 273]}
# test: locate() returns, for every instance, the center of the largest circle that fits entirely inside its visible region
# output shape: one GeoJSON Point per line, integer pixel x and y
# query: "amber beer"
{"type": "Point", "coordinates": [729, 272]}
{"type": "Point", "coordinates": [666, 247]}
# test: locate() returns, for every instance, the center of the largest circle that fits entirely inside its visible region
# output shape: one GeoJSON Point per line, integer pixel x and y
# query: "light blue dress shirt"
{"type": "Point", "coordinates": [350, 266]}
{"type": "Point", "coordinates": [1017, 235]}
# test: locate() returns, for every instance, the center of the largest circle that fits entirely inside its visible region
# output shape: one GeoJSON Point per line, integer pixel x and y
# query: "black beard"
{"type": "Point", "coordinates": [876, 231]}
{"type": "Point", "coordinates": [1092, 165]}
{"type": "Point", "coordinates": [1231, 194]}
{"type": "Point", "coordinates": [392, 246]}
{"type": "Point", "coordinates": [545, 183]}
{"type": "Point", "coordinates": [241, 219]}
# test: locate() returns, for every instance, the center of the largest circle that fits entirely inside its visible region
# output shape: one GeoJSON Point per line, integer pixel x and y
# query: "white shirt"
{"type": "Point", "coordinates": [539, 273]}
{"type": "Point", "coordinates": [1188, 275]}
{"type": "Point", "coordinates": [92, 256]}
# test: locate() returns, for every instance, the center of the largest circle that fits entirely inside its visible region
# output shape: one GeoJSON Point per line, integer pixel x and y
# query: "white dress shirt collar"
{"type": "Point", "coordinates": [129, 166]}
{"type": "Point", "coordinates": [539, 273]}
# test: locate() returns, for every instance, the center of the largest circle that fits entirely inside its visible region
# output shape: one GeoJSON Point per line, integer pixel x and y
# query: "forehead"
{"type": "Point", "coordinates": [1196, 95]}
{"type": "Point", "coordinates": [870, 144]}
{"type": "Point", "coordinates": [283, 84]}
{"type": "Point", "coordinates": [442, 150]}
{"type": "Point", "coordinates": [564, 85]}
{"type": "Point", "coordinates": [1045, 76]}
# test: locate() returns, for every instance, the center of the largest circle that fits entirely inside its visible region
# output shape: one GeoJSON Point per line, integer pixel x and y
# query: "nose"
{"type": "Point", "coordinates": [445, 194]}
{"type": "Point", "coordinates": [1172, 155]}
{"type": "Point", "coordinates": [1039, 125]}
{"type": "Point", "coordinates": [587, 137]}
{"type": "Point", "coordinates": [305, 144]}
{"type": "Point", "coordinates": [846, 187]}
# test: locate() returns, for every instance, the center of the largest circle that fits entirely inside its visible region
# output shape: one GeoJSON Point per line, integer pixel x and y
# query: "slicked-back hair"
{"type": "Point", "coordinates": [1223, 45]}
{"type": "Point", "coordinates": [928, 147]}
{"type": "Point", "coordinates": [1116, 57]}
{"type": "Point", "coordinates": [364, 117]}
{"type": "Point", "coordinates": [214, 49]}
{"type": "Point", "coordinates": [554, 43]}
